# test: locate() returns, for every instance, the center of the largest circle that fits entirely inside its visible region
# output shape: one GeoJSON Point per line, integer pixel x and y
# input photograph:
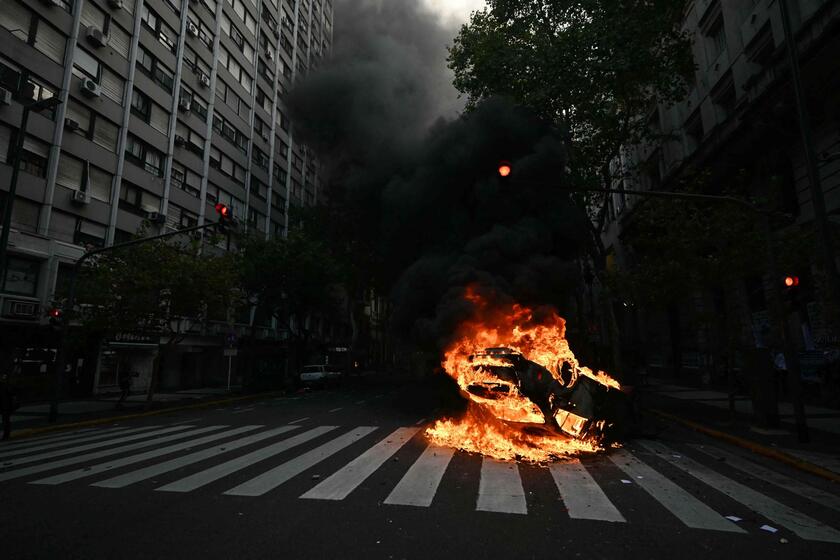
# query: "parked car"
{"type": "Point", "coordinates": [320, 374]}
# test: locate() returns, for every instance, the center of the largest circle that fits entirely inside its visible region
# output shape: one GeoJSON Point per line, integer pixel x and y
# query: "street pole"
{"type": "Point", "coordinates": [10, 200]}
{"type": "Point", "coordinates": [60, 359]}
{"type": "Point", "coordinates": [824, 241]}
{"type": "Point", "coordinates": [230, 364]}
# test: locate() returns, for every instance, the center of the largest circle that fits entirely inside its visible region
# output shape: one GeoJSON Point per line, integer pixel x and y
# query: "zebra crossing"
{"type": "Point", "coordinates": [184, 458]}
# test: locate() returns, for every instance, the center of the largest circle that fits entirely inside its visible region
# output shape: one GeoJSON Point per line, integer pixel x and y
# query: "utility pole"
{"type": "Point", "coordinates": [825, 245]}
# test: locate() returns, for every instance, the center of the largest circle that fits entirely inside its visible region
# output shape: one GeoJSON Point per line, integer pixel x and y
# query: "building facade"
{"type": "Point", "coordinates": [738, 121]}
{"type": "Point", "coordinates": [167, 107]}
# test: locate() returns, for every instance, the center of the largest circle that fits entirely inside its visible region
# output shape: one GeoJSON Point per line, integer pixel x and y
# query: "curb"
{"type": "Point", "coordinates": [97, 421]}
{"type": "Point", "coordinates": [752, 446]}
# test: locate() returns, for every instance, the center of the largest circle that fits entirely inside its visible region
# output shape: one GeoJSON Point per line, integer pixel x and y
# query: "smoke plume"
{"type": "Point", "coordinates": [423, 179]}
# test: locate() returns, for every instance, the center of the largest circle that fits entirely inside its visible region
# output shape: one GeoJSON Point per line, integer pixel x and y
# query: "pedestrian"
{"type": "Point", "coordinates": [125, 385]}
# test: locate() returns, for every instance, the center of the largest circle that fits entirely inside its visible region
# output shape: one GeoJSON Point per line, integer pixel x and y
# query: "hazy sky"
{"type": "Point", "coordinates": [454, 11]}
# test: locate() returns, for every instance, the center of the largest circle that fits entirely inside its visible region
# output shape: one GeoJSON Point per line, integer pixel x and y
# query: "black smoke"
{"type": "Point", "coordinates": [424, 187]}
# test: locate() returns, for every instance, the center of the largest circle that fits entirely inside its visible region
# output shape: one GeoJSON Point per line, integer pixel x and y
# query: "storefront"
{"type": "Point", "coordinates": [126, 352]}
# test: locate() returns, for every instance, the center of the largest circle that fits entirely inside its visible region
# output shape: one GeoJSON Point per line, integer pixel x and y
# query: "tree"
{"type": "Point", "coordinates": [288, 278]}
{"type": "Point", "coordinates": [160, 288]}
{"type": "Point", "coordinates": [596, 68]}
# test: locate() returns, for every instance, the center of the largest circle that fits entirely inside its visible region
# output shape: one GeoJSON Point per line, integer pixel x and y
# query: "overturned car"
{"type": "Point", "coordinates": [570, 399]}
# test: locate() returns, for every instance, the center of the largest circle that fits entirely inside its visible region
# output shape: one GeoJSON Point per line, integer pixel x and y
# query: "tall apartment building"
{"type": "Point", "coordinates": [167, 107]}
{"type": "Point", "coordinates": [739, 119]}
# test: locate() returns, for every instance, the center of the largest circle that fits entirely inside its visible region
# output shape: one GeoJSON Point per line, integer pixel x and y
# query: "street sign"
{"type": "Point", "coordinates": [230, 351]}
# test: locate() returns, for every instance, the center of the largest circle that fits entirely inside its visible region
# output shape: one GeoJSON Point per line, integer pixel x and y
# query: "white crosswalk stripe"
{"type": "Point", "coordinates": [132, 459]}
{"type": "Point", "coordinates": [179, 462]}
{"type": "Point", "coordinates": [35, 440]}
{"type": "Point", "coordinates": [587, 490]}
{"type": "Point", "coordinates": [796, 522]}
{"type": "Point", "coordinates": [52, 443]}
{"type": "Point", "coordinates": [52, 465]}
{"type": "Point", "coordinates": [773, 477]}
{"type": "Point", "coordinates": [582, 496]}
{"type": "Point", "coordinates": [219, 471]}
{"type": "Point", "coordinates": [280, 474]}
{"type": "Point", "coordinates": [419, 485]}
{"type": "Point", "coordinates": [339, 485]}
{"type": "Point", "coordinates": [500, 488]}
{"type": "Point", "coordinates": [143, 433]}
{"type": "Point", "coordinates": [686, 507]}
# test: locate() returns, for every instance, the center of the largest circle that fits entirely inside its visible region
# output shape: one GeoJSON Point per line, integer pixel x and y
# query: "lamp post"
{"type": "Point", "coordinates": [10, 200]}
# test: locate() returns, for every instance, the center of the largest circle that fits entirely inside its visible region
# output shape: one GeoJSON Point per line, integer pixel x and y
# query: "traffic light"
{"type": "Point", "coordinates": [56, 316]}
{"type": "Point", "coordinates": [791, 289]}
{"type": "Point", "coordinates": [225, 216]}
{"type": "Point", "coordinates": [504, 168]}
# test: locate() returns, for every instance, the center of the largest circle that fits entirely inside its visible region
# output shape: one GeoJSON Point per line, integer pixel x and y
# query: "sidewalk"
{"type": "Point", "coordinates": [709, 409]}
{"type": "Point", "coordinates": [35, 416]}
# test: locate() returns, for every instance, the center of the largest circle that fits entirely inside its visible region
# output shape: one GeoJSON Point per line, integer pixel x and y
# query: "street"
{"type": "Point", "coordinates": [346, 473]}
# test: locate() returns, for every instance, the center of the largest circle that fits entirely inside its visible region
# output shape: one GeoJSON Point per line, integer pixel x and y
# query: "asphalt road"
{"type": "Point", "coordinates": [346, 473]}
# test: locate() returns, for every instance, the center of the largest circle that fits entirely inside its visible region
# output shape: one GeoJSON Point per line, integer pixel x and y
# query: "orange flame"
{"type": "Point", "coordinates": [539, 336]}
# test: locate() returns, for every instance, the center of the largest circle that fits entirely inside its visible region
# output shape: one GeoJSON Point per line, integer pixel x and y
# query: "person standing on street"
{"type": "Point", "coordinates": [125, 385]}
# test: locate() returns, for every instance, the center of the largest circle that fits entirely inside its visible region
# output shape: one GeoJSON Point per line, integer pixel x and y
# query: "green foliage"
{"type": "Point", "coordinates": [595, 67]}
{"type": "Point", "coordinates": [158, 286]}
{"type": "Point", "coordinates": [290, 276]}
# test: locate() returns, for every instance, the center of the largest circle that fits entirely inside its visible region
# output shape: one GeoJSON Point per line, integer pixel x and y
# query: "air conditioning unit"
{"type": "Point", "coordinates": [205, 80]}
{"type": "Point", "coordinates": [5, 96]}
{"type": "Point", "coordinates": [90, 88]}
{"type": "Point", "coordinates": [156, 217]}
{"type": "Point", "coordinates": [184, 103]}
{"type": "Point", "coordinates": [180, 140]}
{"type": "Point", "coordinates": [95, 36]}
{"type": "Point", "coordinates": [71, 124]}
{"type": "Point", "coordinates": [269, 55]}
{"type": "Point", "coordinates": [80, 197]}
{"type": "Point", "coordinates": [115, 4]}
{"type": "Point", "coordinates": [192, 29]}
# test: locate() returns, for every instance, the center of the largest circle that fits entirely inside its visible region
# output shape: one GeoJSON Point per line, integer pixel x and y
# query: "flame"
{"type": "Point", "coordinates": [496, 405]}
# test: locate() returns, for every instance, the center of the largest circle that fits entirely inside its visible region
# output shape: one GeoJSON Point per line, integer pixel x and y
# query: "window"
{"type": "Point", "coordinates": [240, 10]}
{"type": "Point", "coordinates": [137, 201]}
{"type": "Point", "coordinates": [143, 155]}
{"type": "Point", "coordinates": [157, 27]}
{"type": "Point", "coordinates": [230, 132]}
{"type": "Point", "coordinates": [694, 131]}
{"type": "Point", "coordinates": [724, 98]}
{"type": "Point", "coordinates": [21, 276]}
{"type": "Point", "coordinates": [186, 180]}
{"type": "Point", "coordinates": [261, 128]}
{"type": "Point", "coordinates": [227, 166]}
{"type": "Point", "coordinates": [259, 158]}
{"type": "Point", "coordinates": [86, 65]}
{"type": "Point", "coordinates": [716, 40]}
{"type": "Point", "coordinates": [235, 69]}
{"type": "Point", "coordinates": [149, 112]}
{"type": "Point", "coordinates": [205, 35]}
{"type": "Point", "coordinates": [280, 174]}
{"type": "Point", "coordinates": [79, 175]}
{"type": "Point", "coordinates": [194, 141]}
{"type": "Point", "coordinates": [264, 100]}
{"type": "Point", "coordinates": [258, 188]}
{"type": "Point", "coordinates": [154, 69]}
{"type": "Point", "coordinates": [34, 156]}
{"type": "Point", "coordinates": [238, 38]}
{"type": "Point", "coordinates": [28, 27]}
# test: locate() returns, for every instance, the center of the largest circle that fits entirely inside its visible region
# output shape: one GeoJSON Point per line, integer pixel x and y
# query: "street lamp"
{"type": "Point", "coordinates": [39, 105]}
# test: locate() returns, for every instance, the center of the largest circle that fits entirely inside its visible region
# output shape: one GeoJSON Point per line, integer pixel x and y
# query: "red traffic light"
{"type": "Point", "coordinates": [223, 210]}
{"type": "Point", "coordinates": [55, 313]}
{"type": "Point", "coordinates": [504, 168]}
{"type": "Point", "coordinates": [791, 281]}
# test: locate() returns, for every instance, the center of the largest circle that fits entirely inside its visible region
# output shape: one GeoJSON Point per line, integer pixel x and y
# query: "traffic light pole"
{"type": "Point", "coordinates": [60, 358]}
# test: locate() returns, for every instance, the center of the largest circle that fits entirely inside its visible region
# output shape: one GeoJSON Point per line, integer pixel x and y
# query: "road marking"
{"type": "Point", "coordinates": [132, 459]}
{"type": "Point", "coordinates": [420, 483]}
{"type": "Point", "coordinates": [29, 442]}
{"type": "Point", "coordinates": [179, 462]}
{"type": "Point", "coordinates": [87, 447]}
{"type": "Point", "coordinates": [107, 452]}
{"type": "Point", "coordinates": [280, 474]}
{"type": "Point", "coordinates": [336, 409]}
{"type": "Point", "coordinates": [222, 470]}
{"type": "Point", "coordinates": [339, 485]}
{"type": "Point", "coordinates": [500, 488]}
{"type": "Point", "coordinates": [688, 509]}
{"type": "Point", "coordinates": [243, 410]}
{"type": "Point", "coordinates": [773, 477]}
{"type": "Point", "coordinates": [69, 440]}
{"type": "Point", "coordinates": [299, 420]}
{"type": "Point", "coordinates": [582, 496]}
{"type": "Point", "coordinates": [419, 421]}
{"type": "Point", "coordinates": [799, 523]}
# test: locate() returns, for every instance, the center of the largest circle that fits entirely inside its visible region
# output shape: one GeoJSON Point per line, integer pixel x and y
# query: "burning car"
{"type": "Point", "coordinates": [569, 402]}
{"type": "Point", "coordinates": [529, 397]}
